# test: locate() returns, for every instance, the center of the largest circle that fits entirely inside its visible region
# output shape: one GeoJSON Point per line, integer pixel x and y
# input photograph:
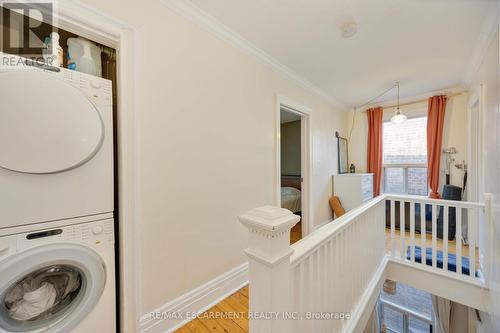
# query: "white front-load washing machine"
{"type": "Point", "coordinates": [56, 143]}
{"type": "Point", "coordinates": [59, 279]}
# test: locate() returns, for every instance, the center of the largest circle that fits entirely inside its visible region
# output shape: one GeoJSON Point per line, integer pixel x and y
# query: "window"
{"type": "Point", "coordinates": [405, 157]}
{"type": "Point", "coordinates": [409, 310]}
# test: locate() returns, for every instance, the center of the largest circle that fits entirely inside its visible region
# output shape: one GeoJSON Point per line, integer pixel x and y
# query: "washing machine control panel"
{"type": "Point", "coordinates": [97, 233]}
{"type": "Point", "coordinates": [101, 231]}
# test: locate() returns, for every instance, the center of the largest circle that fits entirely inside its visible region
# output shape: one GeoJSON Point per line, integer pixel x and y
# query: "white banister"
{"type": "Point", "coordinates": [441, 236]}
{"type": "Point", "coordinates": [434, 238]}
{"type": "Point", "coordinates": [330, 272]}
{"type": "Point", "coordinates": [402, 234]}
{"type": "Point", "coordinates": [347, 255]}
{"type": "Point", "coordinates": [423, 231]}
{"type": "Point", "coordinates": [458, 240]}
{"type": "Point", "coordinates": [412, 231]}
{"type": "Point", "coordinates": [439, 202]}
{"type": "Point", "coordinates": [338, 269]}
{"type": "Point", "coordinates": [445, 236]}
{"type": "Point", "coordinates": [472, 246]}
{"type": "Point", "coordinates": [393, 229]}
{"type": "Point", "coordinates": [490, 232]}
{"type": "Point", "coordinates": [269, 254]}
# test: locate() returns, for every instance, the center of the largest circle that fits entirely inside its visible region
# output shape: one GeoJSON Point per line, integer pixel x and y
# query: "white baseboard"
{"type": "Point", "coordinates": [195, 301]}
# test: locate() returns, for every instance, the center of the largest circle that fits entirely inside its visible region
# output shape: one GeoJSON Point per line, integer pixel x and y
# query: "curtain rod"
{"type": "Point", "coordinates": [416, 102]}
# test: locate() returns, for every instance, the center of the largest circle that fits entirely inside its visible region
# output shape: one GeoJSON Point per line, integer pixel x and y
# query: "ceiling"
{"type": "Point", "coordinates": [427, 45]}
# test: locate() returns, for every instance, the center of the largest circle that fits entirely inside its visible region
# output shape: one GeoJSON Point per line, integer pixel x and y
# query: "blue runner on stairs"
{"type": "Point", "coordinates": [452, 259]}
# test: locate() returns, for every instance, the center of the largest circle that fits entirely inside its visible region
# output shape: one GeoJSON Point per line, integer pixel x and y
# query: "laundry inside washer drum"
{"type": "Point", "coordinates": [43, 293]}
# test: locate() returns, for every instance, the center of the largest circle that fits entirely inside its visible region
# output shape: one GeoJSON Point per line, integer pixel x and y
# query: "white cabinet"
{"type": "Point", "coordinates": [353, 189]}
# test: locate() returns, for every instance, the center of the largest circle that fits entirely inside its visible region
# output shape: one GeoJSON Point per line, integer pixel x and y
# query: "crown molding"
{"type": "Point", "coordinates": [217, 28]}
{"type": "Point", "coordinates": [486, 37]}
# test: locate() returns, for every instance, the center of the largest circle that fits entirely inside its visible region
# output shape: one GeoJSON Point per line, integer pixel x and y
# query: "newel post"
{"type": "Point", "coordinates": [269, 254]}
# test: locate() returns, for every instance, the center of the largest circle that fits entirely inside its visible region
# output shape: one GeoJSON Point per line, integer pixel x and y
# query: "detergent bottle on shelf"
{"type": "Point", "coordinates": [84, 56]}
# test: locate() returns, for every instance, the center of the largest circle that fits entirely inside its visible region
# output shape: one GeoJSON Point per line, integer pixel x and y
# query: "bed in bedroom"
{"type": "Point", "coordinates": [291, 194]}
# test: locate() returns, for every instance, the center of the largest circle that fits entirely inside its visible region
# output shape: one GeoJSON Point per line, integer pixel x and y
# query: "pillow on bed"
{"type": "Point", "coordinates": [289, 191]}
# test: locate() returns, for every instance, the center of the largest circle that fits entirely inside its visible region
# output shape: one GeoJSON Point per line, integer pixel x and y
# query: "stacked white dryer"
{"type": "Point", "coordinates": [56, 200]}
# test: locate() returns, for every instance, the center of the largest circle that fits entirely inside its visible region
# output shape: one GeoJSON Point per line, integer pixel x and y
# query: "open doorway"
{"type": "Point", "coordinates": [293, 167]}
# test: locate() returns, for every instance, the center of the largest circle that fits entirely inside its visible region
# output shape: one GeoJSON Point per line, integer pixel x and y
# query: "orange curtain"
{"type": "Point", "coordinates": [435, 124]}
{"type": "Point", "coordinates": [374, 156]}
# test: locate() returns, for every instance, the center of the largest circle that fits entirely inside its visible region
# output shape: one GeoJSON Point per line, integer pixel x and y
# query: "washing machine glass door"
{"type": "Point", "coordinates": [49, 288]}
{"type": "Point", "coordinates": [46, 125]}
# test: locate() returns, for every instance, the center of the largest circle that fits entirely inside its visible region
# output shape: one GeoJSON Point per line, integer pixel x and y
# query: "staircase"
{"type": "Point", "coordinates": [330, 280]}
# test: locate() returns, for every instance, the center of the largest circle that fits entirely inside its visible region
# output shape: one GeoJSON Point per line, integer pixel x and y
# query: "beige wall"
{"type": "Point", "coordinates": [455, 133]}
{"type": "Point", "coordinates": [290, 148]}
{"type": "Point", "coordinates": [207, 147]}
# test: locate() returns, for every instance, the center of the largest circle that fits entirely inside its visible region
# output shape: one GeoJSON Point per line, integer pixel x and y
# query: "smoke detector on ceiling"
{"type": "Point", "coordinates": [348, 29]}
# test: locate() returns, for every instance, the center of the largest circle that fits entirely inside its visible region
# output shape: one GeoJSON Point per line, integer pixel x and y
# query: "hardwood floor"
{"type": "Point", "coordinates": [296, 233]}
{"type": "Point", "coordinates": [231, 314]}
{"type": "Point", "coordinates": [428, 243]}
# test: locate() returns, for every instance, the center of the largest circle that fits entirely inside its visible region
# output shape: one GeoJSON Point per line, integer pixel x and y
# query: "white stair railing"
{"type": "Point", "coordinates": [334, 270]}
{"type": "Point", "coordinates": [429, 232]}
{"type": "Point", "coordinates": [329, 281]}
{"type": "Point", "coordinates": [269, 267]}
{"type": "Point", "coordinates": [322, 283]}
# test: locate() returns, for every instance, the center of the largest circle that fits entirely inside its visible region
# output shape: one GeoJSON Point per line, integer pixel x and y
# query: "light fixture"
{"type": "Point", "coordinates": [398, 117]}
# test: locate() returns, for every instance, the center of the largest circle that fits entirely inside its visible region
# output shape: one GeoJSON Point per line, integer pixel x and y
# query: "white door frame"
{"type": "Point", "coordinates": [475, 171]}
{"type": "Point", "coordinates": [92, 24]}
{"type": "Point", "coordinates": [306, 159]}
{"type": "Point", "coordinates": [474, 144]}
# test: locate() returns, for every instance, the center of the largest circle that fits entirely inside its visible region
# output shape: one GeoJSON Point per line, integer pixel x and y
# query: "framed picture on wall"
{"type": "Point", "coordinates": [342, 154]}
